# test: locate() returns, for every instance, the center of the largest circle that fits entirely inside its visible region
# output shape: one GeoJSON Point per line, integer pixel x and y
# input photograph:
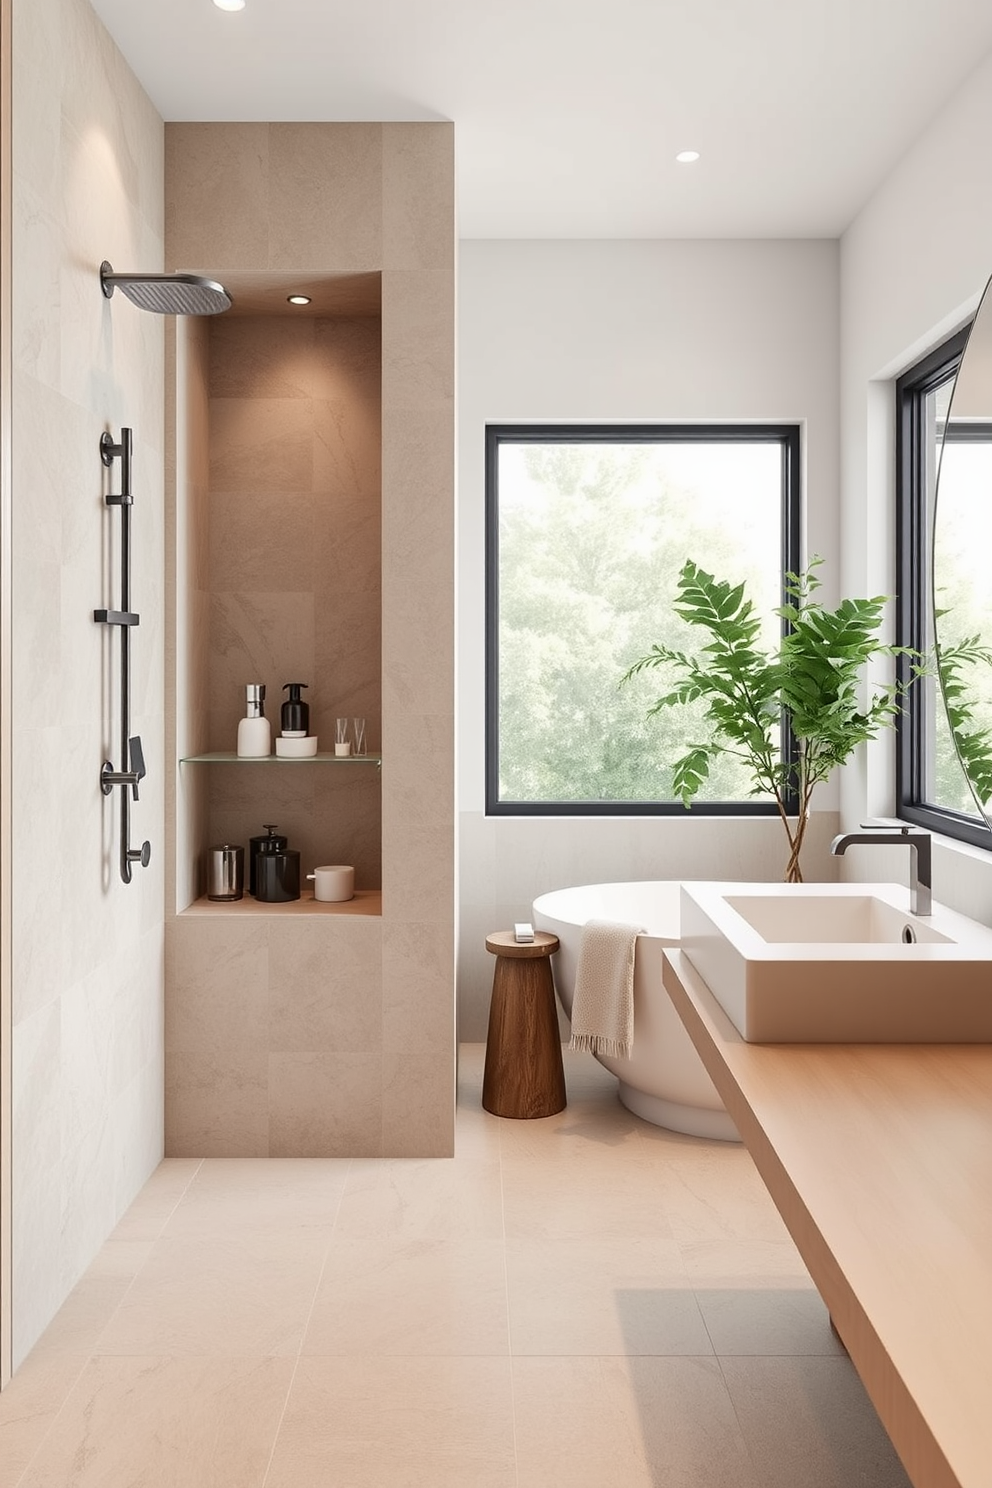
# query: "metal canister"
{"type": "Point", "coordinates": [226, 872]}
{"type": "Point", "coordinates": [272, 842]}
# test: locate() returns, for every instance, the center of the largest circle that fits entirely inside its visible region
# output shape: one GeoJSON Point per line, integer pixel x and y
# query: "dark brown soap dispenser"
{"type": "Point", "coordinates": [295, 712]}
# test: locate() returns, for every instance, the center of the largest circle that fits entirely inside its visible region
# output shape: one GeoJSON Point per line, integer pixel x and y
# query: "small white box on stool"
{"type": "Point", "coordinates": [523, 933]}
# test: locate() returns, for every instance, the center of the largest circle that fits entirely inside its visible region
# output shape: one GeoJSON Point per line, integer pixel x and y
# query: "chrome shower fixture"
{"type": "Point", "coordinates": [167, 294]}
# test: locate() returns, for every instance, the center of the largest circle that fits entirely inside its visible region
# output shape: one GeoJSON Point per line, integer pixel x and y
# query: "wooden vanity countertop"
{"type": "Point", "coordinates": [879, 1159]}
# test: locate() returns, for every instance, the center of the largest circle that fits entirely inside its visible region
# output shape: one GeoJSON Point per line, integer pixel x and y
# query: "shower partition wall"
{"type": "Point", "coordinates": [310, 534]}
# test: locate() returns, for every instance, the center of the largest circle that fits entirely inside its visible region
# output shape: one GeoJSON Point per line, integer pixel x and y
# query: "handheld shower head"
{"type": "Point", "coordinates": [167, 294]}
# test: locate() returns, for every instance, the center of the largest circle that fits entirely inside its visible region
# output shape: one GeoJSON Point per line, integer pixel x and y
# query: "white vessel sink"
{"type": "Point", "coordinates": [839, 963]}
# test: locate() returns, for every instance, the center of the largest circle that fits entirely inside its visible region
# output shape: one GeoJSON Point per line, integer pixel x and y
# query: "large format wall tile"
{"type": "Point", "coordinates": [216, 186]}
{"type": "Point", "coordinates": [271, 359]}
{"type": "Point", "coordinates": [217, 1105]}
{"type": "Point", "coordinates": [325, 999]}
{"type": "Point", "coordinates": [325, 1105]}
{"type": "Point", "coordinates": [331, 562]}
{"type": "Point", "coordinates": [324, 199]}
{"type": "Point", "coordinates": [418, 197]}
{"type": "Point", "coordinates": [87, 157]}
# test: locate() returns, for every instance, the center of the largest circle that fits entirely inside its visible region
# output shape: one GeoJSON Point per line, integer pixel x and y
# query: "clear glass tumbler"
{"type": "Point", "coordinates": [358, 736]}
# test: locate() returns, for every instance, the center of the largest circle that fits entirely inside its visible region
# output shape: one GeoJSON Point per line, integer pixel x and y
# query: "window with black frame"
{"type": "Point", "coordinates": [932, 787]}
{"type": "Point", "coordinates": [587, 530]}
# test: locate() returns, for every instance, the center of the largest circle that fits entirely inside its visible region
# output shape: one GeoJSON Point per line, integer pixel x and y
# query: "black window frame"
{"type": "Point", "coordinates": [915, 595]}
{"type": "Point", "coordinates": [787, 435]}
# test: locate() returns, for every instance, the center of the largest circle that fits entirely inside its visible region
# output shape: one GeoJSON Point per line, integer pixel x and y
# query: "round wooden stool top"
{"type": "Point", "coordinates": [502, 943]}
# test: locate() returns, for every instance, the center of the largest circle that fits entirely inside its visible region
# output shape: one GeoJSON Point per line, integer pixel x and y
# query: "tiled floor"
{"type": "Point", "coordinates": [580, 1302]}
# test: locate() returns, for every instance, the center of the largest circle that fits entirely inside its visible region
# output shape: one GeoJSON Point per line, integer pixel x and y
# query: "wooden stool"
{"type": "Point", "coordinates": [524, 1076]}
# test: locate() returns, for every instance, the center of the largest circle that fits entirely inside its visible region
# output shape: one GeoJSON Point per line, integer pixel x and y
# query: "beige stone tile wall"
{"type": "Point", "coordinates": [88, 964]}
{"type": "Point", "coordinates": [285, 593]}
{"type": "Point", "coordinates": [273, 1033]}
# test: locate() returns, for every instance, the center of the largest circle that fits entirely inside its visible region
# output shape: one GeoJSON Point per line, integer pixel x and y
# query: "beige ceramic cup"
{"type": "Point", "coordinates": [333, 883]}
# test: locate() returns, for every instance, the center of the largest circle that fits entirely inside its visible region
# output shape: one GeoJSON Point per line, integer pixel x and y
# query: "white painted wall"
{"type": "Point", "coordinates": [87, 951]}
{"type": "Point", "coordinates": [913, 266]}
{"type": "Point", "coordinates": [623, 331]}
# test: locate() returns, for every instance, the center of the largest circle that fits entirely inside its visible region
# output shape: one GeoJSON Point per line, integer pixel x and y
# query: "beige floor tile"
{"type": "Point", "coordinates": [415, 1199]}
{"type": "Point", "coordinates": [30, 1405]}
{"type": "Point", "coordinates": [583, 1129]}
{"type": "Point", "coordinates": [642, 1280]}
{"type": "Point", "coordinates": [596, 1197]}
{"type": "Point", "coordinates": [117, 1259]}
{"type": "Point", "coordinates": [680, 1149]}
{"type": "Point", "coordinates": [717, 1195]}
{"type": "Point", "coordinates": [600, 1297]}
{"type": "Point", "coordinates": [617, 1423]}
{"type": "Point", "coordinates": [726, 1263]}
{"type": "Point", "coordinates": [809, 1421]}
{"type": "Point", "coordinates": [769, 1320]}
{"type": "Point", "coordinates": [410, 1297]}
{"type": "Point", "coordinates": [248, 1294]}
{"type": "Point", "coordinates": [477, 1134]}
{"type": "Point", "coordinates": [165, 1423]}
{"type": "Point", "coordinates": [148, 1215]}
{"type": "Point", "coordinates": [83, 1316]}
{"type": "Point", "coordinates": [397, 1423]}
{"type": "Point", "coordinates": [259, 1196]}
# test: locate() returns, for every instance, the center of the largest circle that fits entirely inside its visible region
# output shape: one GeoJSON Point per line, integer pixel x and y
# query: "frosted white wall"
{"type": "Point", "coordinates": [913, 265]}
{"type": "Point", "coordinates": [626, 331]}
{"type": "Point", "coordinates": [87, 951]}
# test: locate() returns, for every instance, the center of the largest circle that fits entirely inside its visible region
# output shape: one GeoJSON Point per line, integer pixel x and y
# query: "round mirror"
{"type": "Point", "coordinates": [962, 560]}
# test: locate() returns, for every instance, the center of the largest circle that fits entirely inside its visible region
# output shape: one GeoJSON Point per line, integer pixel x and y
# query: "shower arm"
{"type": "Point", "coordinates": [124, 619]}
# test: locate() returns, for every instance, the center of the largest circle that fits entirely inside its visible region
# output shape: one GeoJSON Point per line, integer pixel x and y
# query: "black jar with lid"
{"type": "Point", "coordinates": [272, 842]}
{"type": "Point", "coordinates": [278, 877]}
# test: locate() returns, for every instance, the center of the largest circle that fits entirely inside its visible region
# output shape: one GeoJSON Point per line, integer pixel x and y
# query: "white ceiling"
{"type": "Point", "coordinates": [569, 113]}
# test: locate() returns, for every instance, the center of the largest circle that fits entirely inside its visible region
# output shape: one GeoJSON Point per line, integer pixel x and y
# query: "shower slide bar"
{"type": "Point", "coordinates": [124, 618]}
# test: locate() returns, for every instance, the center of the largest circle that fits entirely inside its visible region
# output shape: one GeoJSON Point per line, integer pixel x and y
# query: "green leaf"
{"type": "Point", "coordinates": [817, 679]}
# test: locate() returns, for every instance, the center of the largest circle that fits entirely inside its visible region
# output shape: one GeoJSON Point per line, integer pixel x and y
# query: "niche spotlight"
{"type": "Point", "coordinates": [230, 4]}
{"type": "Point", "coordinates": [298, 299]}
{"type": "Point", "coordinates": [687, 157]}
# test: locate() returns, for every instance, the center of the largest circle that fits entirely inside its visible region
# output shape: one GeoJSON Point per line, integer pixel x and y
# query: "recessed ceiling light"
{"type": "Point", "coordinates": [687, 157]}
{"type": "Point", "coordinates": [298, 299]}
{"type": "Point", "coordinates": [230, 4]}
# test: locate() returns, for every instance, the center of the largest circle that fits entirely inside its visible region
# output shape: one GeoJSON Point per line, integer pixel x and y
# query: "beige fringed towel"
{"type": "Point", "coordinates": [603, 999]}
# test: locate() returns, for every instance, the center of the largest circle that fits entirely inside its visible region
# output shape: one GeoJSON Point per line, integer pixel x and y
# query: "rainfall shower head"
{"type": "Point", "coordinates": [167, 294]}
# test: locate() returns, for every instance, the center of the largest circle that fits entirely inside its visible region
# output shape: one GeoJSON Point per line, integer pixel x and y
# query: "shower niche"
{"type": "Point", "coordinates": [279, 500]}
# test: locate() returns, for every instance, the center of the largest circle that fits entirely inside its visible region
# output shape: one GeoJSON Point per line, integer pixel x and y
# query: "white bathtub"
{"type": "Point", "coordinates": [663, 1081]}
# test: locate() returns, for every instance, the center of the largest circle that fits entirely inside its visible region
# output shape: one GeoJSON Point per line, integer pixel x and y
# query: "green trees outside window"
{"type": "Point", "coordinates": [588, 530]}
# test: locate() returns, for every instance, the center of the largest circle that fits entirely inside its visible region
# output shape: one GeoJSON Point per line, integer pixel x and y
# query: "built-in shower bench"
{"type": "Point", "coordinates": [879, 1159]}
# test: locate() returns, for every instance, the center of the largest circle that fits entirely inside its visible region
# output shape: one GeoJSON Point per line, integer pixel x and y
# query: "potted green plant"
{"type": "Point", "coordinates": [816, 679]}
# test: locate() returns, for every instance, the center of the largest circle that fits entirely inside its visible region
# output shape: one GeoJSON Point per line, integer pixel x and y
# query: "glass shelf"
{"type": "Point", "coordinates": [228, 757]}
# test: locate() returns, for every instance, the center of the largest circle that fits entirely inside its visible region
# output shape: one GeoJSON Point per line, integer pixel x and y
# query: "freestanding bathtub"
{"type": "Point", "coordinates": [663, 1081]}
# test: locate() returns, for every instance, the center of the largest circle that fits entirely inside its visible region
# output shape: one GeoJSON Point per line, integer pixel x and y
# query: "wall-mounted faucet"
{"type": "Point", "coordinates": [920, 877]}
